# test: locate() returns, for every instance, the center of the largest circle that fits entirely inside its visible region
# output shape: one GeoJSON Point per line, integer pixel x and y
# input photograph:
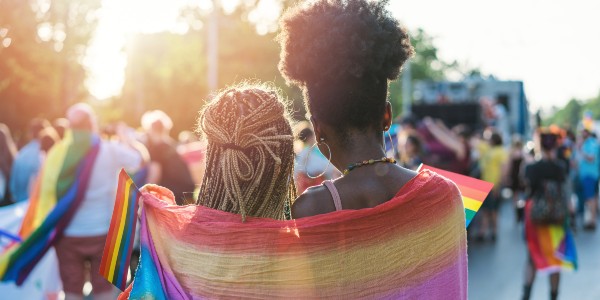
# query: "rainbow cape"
{"type": "Point", "coordinates": [473, 191]}
{"type": "Point", "coordinates": [413, 246]}
{"type": "Point", "coordinates": [59, 190]}
{"type": "Point", "coordinates": [552, 247]}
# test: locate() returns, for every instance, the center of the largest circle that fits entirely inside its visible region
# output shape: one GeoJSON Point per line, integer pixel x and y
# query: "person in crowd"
{"type": "Point", "coordinates": [345, 88]}
{"type": "Point", "coordinates": [27, 162]}
{"type": "Point", "coordinates": [411, 151]}
{"type": "Point", "coordinates": [589, 172]}
{"type": "Point", "coordinates": [342, 54]}
{"type": "Point", "coordinates": [167, 167]}
{"type": "Point", "coordinates": [311, 167]}
{"type": "Point", "coordinates": [8, 151]}
{"type": "Point", "coordinates": [85, 235]}
{"type": "Point", "coordinates": [550, 244]}
{"type": "Point", "coordinates": [451, 147]}
{"type": "Point", "coordinates": [250, 157]}
{"type": "Point", "coordinates": [193, 152]}
{"type": "Point", "coordinates": [492, 161]}
{"type": "Point", "coordinates": [61, 125]}
{"type": "Point", "coordinates": [515, 176]}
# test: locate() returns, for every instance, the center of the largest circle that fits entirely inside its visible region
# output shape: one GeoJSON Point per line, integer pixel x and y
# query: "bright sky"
{"type": "Point", "coordinates": [552, 45]}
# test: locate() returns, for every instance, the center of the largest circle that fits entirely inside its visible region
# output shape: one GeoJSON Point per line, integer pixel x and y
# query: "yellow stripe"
{"type": "Point", "coordinates": [119, 233]}
{"type": "Point", "coordinates": [302, 269]}
{"type": "Point", "coordinates": [4, 258]}
{"type": "Point", "coordinates": [471, 204]}
{"type": "Point", "coordinates": [53, 165]}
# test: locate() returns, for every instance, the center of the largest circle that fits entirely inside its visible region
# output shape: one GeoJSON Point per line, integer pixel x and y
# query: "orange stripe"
{"type": "Point", "coordinates": [472, 193]}
{"type": "Point", "coordinates": [114, 225]}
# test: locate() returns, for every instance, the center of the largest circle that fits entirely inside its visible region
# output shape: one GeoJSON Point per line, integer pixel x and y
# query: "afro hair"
{"type": "Point", "coordinates": [342, 53]}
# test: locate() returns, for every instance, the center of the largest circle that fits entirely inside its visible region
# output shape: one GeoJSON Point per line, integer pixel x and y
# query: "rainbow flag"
{"type": "Point", "coordinates": [60, 189]}
{"type": "Point", "coordinates": [411, 247]}
{"type": "Point", "coordinates": [551, 247]}
{"type": "Point", "coordinates": [473, 191]}
{"type": "Point", "coordinates": [119, 241]}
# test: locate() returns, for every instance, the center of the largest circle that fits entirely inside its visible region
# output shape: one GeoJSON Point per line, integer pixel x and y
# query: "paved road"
{"type": "Point", "coordinates": [496, 271]}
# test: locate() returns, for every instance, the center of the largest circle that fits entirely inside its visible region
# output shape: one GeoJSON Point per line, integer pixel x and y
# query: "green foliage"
{"type": "Point", "coordinates": [425, 65]}
{"type": "Point", "coordinates": [168, 71]}
{"type": "Point", "coordinates": [41, 46]}
{"type": "Point", "coordinates": [572, 113]}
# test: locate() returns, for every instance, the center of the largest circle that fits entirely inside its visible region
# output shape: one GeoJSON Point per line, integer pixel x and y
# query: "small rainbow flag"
{"type": "Point", "coordinates": [119, 241]}
{"type": "Point", "coordinates": [473, 191]}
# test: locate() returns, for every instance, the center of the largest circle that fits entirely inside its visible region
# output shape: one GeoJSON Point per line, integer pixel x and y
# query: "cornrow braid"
{"type": "Point", "coordinates": [250, 156]}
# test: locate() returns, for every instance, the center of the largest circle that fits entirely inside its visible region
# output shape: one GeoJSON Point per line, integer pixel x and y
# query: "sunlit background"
{"type": "Point", "coordinates": [139, 54]}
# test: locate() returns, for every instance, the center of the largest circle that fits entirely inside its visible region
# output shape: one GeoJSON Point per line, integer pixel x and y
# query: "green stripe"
{"type": "Point", "coordinates": [469, 214]}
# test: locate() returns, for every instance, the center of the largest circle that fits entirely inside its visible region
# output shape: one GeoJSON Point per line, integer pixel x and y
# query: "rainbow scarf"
{"type": "Point", "coordinates": [413, 246]}
{"type": "Point", "coordinates": [59, 190]}
{"type": "Point", "coordinates": [551, 247]}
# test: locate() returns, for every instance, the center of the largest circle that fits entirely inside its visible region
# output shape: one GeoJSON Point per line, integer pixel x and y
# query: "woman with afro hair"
{"type": "Point", "coordinates": [342, 54]}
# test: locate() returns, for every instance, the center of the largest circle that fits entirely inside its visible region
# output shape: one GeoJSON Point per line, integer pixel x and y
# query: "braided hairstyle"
{"type": "Point", "coordinates": [250, 158]}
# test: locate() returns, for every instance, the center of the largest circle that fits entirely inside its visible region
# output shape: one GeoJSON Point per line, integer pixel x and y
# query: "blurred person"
{"type": "Point", "coordinates": [71, 206]}
{"type": "Point", "coordinates": [450, 148]}
{"type": "Point", "coordinates": [86, 233]}
{"type": "Point", "coordinates": [501, 117]}
{"type": "Point", "coordinates": [8, 151]}
{"type": "Point", "coordinates": [60, 125]}
{"type": "Point", "coordinates": [492, 161]}
{"type": "Point", "coordinates": [311, 166]}
{"type": "Point", "coordinates": [411, 151]}
{"type": "Point", "coordinates": [27, 162]}
{"type": "Point", "coordinates": [589, 172]}
{"type": "Point", "coordinates": [342, 55]}
{"type": "Point", "coordinates": [193, 152]}
{"type": "Point", "coordinates": [515, 176]}
{"type": "Point", "coordinates": [550, 245]}
{"type": "Point", "coordinates": [167, 167]}
{"type": "Point", "coordinates": [186, 137]}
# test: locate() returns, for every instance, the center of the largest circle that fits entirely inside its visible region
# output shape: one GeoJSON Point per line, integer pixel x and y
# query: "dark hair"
{"type": "Point", "coordinates": [416, 141]}
{"type": "Point", "coordinates": [548, 141]}
{"type": "Point", "coordinates": [342, 54]}
{"type": "Point", "coordinates": [36, 125]}
{"type": "Point", "coordinates": [8, 151]}
{"type": "Point", "coordinates": [496, 139]}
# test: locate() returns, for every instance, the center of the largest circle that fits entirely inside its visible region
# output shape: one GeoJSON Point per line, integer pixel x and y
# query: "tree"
{"type": "Point", "coordinates": [572, 113]}
{"type": "Point", "coordinates": [41, 45]}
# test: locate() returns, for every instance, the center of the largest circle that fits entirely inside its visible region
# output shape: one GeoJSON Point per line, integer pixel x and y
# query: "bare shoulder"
{"type": "Point", "coordinates": [314, 201]}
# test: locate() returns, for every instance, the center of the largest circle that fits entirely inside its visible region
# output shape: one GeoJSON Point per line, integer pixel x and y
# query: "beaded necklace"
{"type": "Point", "coordinates": [368, 162]}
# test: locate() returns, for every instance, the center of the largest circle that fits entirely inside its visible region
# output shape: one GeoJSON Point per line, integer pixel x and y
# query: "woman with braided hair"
{"type": "Point", "coordinates": [250, 158]}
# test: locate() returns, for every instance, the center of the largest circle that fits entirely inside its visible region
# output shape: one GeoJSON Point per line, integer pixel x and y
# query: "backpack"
{"type": "Point", "coordinates": [549, 204]}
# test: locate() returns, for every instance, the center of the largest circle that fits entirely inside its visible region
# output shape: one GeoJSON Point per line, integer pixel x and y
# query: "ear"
{"type": "Point", "coordinates": [387, 116]}
{"type": "Point", "coordinates": [317, 128]}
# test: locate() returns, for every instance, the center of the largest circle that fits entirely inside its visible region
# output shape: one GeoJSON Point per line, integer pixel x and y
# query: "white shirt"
{"type": "Point", "coordinates": [94, 214]}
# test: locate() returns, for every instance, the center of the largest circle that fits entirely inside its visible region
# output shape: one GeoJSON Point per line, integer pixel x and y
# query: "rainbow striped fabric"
{"type": "Point", "coordinates": [119, 241]}
{"type": "Point", "coordinates": [473, 191]}
{"type": "Point", "coordinates": [552, 247]}
{"type": "Point", "coordinates": [59, 190]}
{"type": "Point", "coordinates": [413, 246]}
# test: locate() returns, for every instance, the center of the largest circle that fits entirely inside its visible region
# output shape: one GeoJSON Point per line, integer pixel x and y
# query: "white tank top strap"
{"type": "Point", "coordinates": [334, 193]}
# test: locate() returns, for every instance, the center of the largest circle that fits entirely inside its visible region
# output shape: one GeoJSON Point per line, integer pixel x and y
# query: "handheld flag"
{"type": "Point", "coordinates": [473, 191]}
{"type": "Point", "coordinates": [119, 241]}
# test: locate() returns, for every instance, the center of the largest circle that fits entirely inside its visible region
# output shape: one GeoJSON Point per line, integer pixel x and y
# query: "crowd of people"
{"type": "Point", "coordinates": [251, 162]}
